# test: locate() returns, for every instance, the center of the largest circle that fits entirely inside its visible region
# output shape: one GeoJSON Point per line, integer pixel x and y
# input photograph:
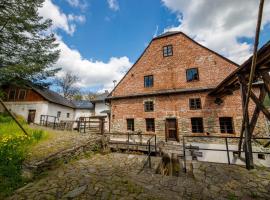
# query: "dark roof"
{"type": "Point", "coordinates": [168, 34]}
{"type": "Point", "coordinates": [52, 96]}
{"type": "Point", "coordinates": [164, 92]}
{"type": "Point", "coordinates": [83, 104]}
{"type": "Point", "coordinates": [100, 97]}
{"type": "Point", "coordinates": [56, 98]}
{"type": "Point", "coordinates": [231, 82]}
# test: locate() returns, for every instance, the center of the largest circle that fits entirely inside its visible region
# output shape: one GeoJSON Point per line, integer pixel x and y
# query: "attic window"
{"type": "Point", "coordinates": [12, 94]}
{"type": "Point", "coordinates": [22, 94]}
{"type": "Point", "coordinates": [167, 51]}
{"type": "Point", "coordinates": [192, 74]}
{"type": "Point", "coordinates": [148, 81]}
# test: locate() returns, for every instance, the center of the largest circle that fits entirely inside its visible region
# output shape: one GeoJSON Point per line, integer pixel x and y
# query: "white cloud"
{"type": "Point", "coordinates": [113, 4]}
{"type": "Point", "coordinates": [218, 24]}
{"type": "Point", "coordinates": [60, 19]}
{"type": "Point", "coordinates": [78, 3]}
{"type": "Point", "coordinates": [92, 73]}
{"type": "Point", "coordinates": [76, 18]}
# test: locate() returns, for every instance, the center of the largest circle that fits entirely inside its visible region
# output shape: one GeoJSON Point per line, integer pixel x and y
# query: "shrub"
{"type": "Point", "coordinates": [13, 149]}
{"type": "Point", "coordinates": [12, 154]}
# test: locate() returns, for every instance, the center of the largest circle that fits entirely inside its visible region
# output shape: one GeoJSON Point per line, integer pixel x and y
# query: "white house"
{"type": "Point", "coordinates": [101, 108]}
{"type": "Point", "coordinates": [32, 102]}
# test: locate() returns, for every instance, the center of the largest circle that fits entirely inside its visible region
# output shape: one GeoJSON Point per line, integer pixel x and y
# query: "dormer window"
{"type": "Point", "coordinates": [192, 74]}
{"type": "Point", "coordinates": [148, 81]}
{"type": "Point", "coordinates": [167, 51]}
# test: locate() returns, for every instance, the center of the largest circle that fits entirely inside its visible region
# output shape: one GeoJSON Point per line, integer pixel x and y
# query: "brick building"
{"type": "Point", "coordinates": [167, 91]}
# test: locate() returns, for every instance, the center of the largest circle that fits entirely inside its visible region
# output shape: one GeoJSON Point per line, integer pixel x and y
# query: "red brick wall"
{"type": "Point", "coordinates": [170, 72]}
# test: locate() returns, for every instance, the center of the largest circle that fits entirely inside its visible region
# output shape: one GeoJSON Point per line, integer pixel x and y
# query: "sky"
{"type": "Point", "coordinates": [101, 39]}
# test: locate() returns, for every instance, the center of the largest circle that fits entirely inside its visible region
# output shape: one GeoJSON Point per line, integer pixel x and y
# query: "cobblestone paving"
{"type": "Point", "coordinates": [115, 176]}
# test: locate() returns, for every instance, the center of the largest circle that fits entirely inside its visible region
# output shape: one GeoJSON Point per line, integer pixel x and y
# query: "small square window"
{"type": "Point", "coordinates": [59, 114]}
{"type": "Point", "coordinates": [167, 50]}
{"type": "Point", "coordinates": [197, 125]}
{"type": "Point", "coordinates": [261, 156]}
{"type": "Point", "coordinates": [192, 74]}
{"type": "Point", "coordinates": [12, 94]}
{"type": "Point", "coordinates": [130, 124]}
{"type": "Point", "coordinates": [68, 115]}
{"type": "Point", "coordinates": [22, 94]}
{"type": "Point", "coordinates": [148, 81]}
{"type": "Point", "coordinates": [150, 124]}
{"type": "Point", "coordinates": [226, 125]}
{"type": "Point", "coordinates": [148, 106]}
{"type": "Point", "coordinates": [195, 104]}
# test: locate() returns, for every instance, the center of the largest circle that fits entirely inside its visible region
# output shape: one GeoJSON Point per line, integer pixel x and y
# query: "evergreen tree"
{"type": "Point", "coordinates": [27, 48]}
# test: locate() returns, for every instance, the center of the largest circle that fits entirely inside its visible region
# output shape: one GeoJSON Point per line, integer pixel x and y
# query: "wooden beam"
{"type": "Point", "coordinates": [266, 80]}
{"type": "Point", "coordinates": [256, 112]}
{"type": "Point", "coordinates": [260, 105]}
{"type": "Point", "coordinates": [13, 117]}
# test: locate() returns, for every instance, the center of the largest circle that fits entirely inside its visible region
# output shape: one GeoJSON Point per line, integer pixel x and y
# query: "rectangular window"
{"type": "Point", "coordinates": [167, 50]}
{"type": "Point", "coordinates": [12, 94]}
{"type": "Point", "coordinates": [59, 114]}
{"type": "Point", "coordinates": [148, 106]}
{"type": "Point", "coordinates": [150, 124]}
{"type": "Point", "coordinates": [22, 94]}
{"type": "Point", "coordinates": [148, 81]}
{"type": "Point", "coordinates": [68, 115]}
{"type": "Point", "coordinates": [226, 125]}
{"type": "Point", "coordinates": [192, 74]}
{"type": "Point", "coordinates": [195, 104]}
{"type": "Point", "coordinates": [130, 124]}
{"type": "Point", "coordinates": [197, 125]}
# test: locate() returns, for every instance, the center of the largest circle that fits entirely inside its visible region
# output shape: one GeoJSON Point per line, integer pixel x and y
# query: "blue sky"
{"type": "Point", "coordinates": [125, 32]}
{"type": "Point", "coordinates": [101, 39]}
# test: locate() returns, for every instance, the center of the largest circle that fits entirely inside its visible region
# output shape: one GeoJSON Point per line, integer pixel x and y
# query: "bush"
{"type": "Point", "coordinates": [12, 154]}
{"type": "Point", "coordinates": [13, 149]}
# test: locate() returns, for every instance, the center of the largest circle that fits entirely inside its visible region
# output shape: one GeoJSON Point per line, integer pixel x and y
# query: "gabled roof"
{"type": "Point", "coordinates": [52, 96]}
{"type": "Point", "coordinates": [83, 104]}
{"type": "Point", "coordinates": [100, 97]}
{"type": "Point", "coordinates": [232, 83]}
{"type": "Point", "coordinates": [169, 34]}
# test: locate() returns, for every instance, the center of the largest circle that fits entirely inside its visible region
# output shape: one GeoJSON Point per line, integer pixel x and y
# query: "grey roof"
{"type": "Point", "coordinates": [106, 112]}
{"type": "Point", "coordinates": [100, 97]}
{"type": "Point", "coordinates": [83, 104]}
{"type": "Point", "coordinates": [53, 96]}
{"type": "Point", "coordinates": [169, 33]}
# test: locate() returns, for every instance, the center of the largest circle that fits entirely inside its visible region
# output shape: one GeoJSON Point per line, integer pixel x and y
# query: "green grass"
{"type": "Point", "coordinates": [14, 145]}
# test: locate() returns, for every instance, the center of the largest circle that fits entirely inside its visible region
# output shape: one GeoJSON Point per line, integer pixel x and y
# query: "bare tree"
{"type": "Point", "coordinates": [67, 86]}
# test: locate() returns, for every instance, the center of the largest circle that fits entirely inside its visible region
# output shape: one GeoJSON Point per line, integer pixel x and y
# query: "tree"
{"type": "Point", "coordinates": [66, 84]}
{"type": "Point", "coordinates": [27, 48]}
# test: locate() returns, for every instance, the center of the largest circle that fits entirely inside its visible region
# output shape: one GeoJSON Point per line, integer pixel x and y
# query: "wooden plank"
{"type": "Point", "coordinates": [260, 105]}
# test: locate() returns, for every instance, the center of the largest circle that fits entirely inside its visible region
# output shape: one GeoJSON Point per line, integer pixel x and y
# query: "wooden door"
{"type": "Point", "coordinates": [31, 116]}
{"type": "Point", "coordinates": [171, 129]}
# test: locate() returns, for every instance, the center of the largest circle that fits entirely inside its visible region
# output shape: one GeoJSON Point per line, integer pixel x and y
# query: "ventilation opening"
{"type": "Point", "coordinates": [261, 156]}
